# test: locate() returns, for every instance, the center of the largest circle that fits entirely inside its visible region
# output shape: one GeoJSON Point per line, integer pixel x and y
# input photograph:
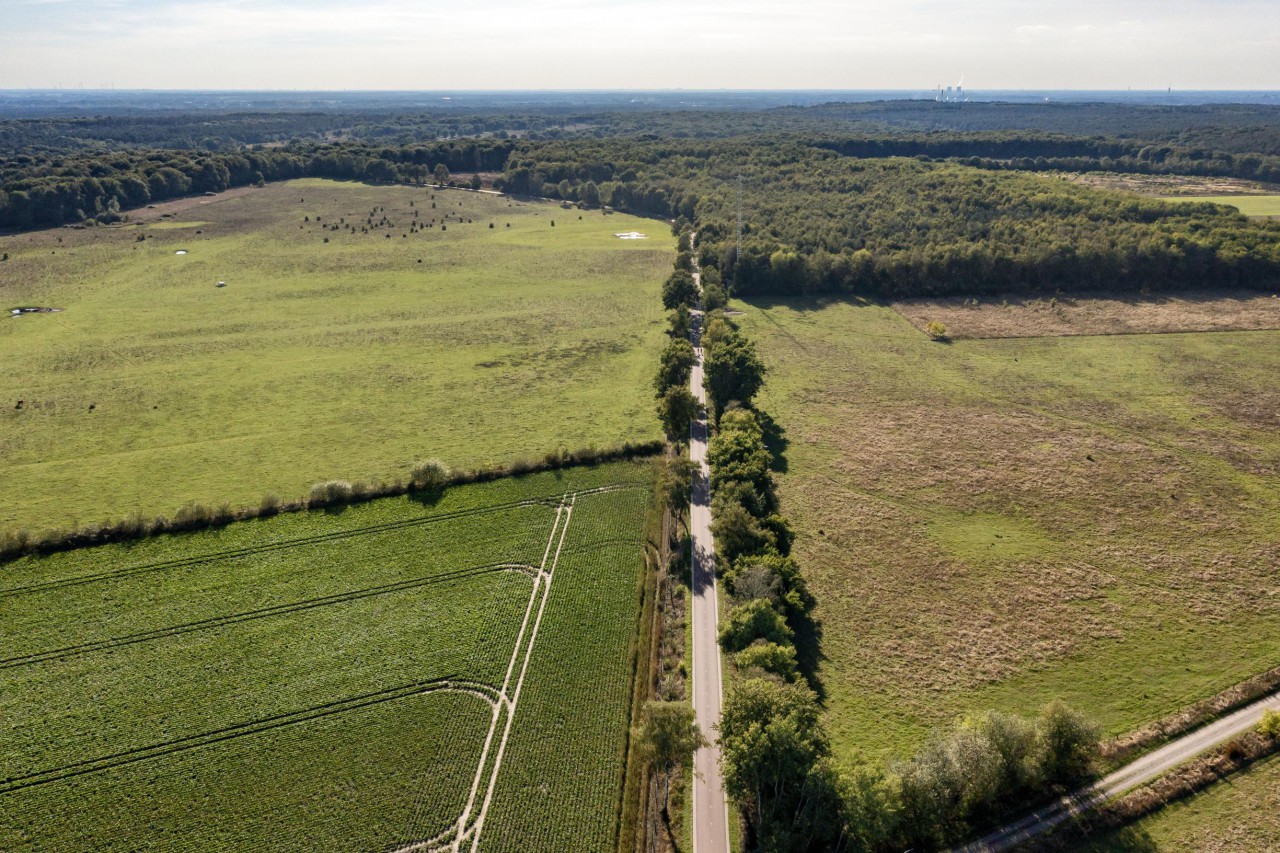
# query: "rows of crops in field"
{"type": "Point", "coordinates": [569, 737]}
{"type": "Point", "coordinates": [325, 681]}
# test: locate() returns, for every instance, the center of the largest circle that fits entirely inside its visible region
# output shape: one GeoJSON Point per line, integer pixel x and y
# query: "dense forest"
{"type": "Point", "coordinates": [895, 213]}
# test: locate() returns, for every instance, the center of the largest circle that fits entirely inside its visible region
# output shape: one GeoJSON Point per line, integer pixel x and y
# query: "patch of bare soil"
{"type": "Point", "coordinates": [150, 213]}
{"type": "Point", "coordinates": [1165, 185]}
{"type": "Point", "coordinates": [1061, 316]}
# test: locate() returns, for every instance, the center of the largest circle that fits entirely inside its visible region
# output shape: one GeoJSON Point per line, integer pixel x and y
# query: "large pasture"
{"type": "Point", "coordinates": [348, 359]}
{"type": "Point", "coordinates": [995, 523]}
{"type": "Point", "coordinates": [390, 675]}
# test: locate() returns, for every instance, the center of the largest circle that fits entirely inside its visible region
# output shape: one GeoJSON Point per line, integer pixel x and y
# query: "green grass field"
{"type": "Point", "coordinates": [347, 359]}
{"type": "Point", "coordinates": [1249, 205]}
{"type": "Point", "coordinates": [343, 678]}
{"type": "Point", "coordinates": [995, 523]}
{"type": "Point", "coordinates": [1241, 813]}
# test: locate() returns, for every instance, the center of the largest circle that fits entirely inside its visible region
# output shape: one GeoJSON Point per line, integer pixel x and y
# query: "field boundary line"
{"type": "Point", "coordinates": [264, 613]}
{"type": "Point", "coordinates": [236, 553]}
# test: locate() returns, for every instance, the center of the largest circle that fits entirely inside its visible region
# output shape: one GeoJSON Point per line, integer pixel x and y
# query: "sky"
{"type": "Point", "coordinates": [628, 44]}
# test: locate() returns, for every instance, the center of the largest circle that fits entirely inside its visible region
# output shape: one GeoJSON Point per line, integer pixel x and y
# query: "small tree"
{"type": "Point", "coordinates": [667, 737]}
{"type": "Point", "coordinates": [675, 366]}
{"type": "Point", "coordinates": [430, 475]}
{"type": "Point", "coordinates": [755, 620]}
{"type": "Point", "coordinates": [679, 290]}
{"type": "Point", "coordinates": [1068, 743]}
{"type": "Point", "coordinates": [774, 658]}
{"type": "Point", "coordinates": [677, 409]}
{"type": "Point", "coordinates": [441, 175]}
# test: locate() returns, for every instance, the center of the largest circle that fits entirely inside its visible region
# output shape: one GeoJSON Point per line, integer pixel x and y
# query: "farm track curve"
{"type": "Point", "coordinates": [263, 613]}
{"type": "Point", "coordinates": [263, 724]}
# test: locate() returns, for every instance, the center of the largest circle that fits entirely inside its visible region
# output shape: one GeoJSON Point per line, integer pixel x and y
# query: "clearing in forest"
{"type": "Point", "coordinates": [995, 523]}
{"type": "Point", "coordinates": [360, 329]}
{"type": "Point", "coordinates": [1249, 205]}
{"type": "Point", "coordinates": [393, 675]}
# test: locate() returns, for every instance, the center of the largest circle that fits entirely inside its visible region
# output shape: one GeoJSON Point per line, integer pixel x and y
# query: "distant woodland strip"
{"type": "Point", "coordinates": [942, 214]}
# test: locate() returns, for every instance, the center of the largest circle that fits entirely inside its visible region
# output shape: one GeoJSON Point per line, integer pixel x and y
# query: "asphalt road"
{"type": "Point", "coordinates": [710, 808]}
{"type": "Point", "coordinates": [1130, 776]}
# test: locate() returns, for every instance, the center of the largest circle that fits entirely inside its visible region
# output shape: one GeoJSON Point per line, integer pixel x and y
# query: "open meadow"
{"type": "Point", "coordinates": [996, 523]}
{"type": "Point", "coordinates": [360, 328]}
{"type": "Point", "coordinates": [397, 674]}
{"type": "Point", "coordinates": [1249, 205]}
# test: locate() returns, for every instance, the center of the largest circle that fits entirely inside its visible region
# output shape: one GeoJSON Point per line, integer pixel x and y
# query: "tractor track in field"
{"type": "Point", "coordinates": [236, 553]}
{"type": "Point", "coordinates": [466, 830]}
{"type": "Point", "coordinates": [264, 613]}
{"type": "Point", "coordinates": [321, 538]}
{"type": "Point", "coordinates": [263, 724]}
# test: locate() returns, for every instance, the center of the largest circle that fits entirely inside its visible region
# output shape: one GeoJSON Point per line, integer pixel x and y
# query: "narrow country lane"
{"type": "Point", "coordinates": [710, 808]}
{"type": "Point", "coordinates": [1130, 776]}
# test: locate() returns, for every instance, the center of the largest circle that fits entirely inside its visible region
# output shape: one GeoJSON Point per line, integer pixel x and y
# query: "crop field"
{"type": "Point", "coordinates": [329, 353]}
{"type": "Point", "coordinates": [392, 676]}
{"type": "Point", "coordinates": [1240, 813]}
{"type": "Point", "coordinates": [1034, 317]}
{"type": "Point", "coordinates": [1249, 205]}
{"type": "Point", "coordinates": [995, 523]}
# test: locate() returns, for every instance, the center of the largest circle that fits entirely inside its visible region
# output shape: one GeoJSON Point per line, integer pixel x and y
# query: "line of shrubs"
{"type": "Point", "coordinates": [428, 476]}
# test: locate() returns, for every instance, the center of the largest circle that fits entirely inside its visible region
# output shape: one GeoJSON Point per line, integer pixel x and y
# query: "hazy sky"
{"type": "Point", "coordinates": [592, 44]}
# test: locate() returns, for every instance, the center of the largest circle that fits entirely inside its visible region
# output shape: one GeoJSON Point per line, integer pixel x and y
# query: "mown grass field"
{"type": "Point", "coordinates": [331, 679]}
{"type": "Point", "coordinates": [1238, 814]}
{"type": "Point", "coordinates": [347, 359]}
{"type": "Point", "coordinates": [995, 523]}
{"type": "Point", "coordinates": [1249, 205]}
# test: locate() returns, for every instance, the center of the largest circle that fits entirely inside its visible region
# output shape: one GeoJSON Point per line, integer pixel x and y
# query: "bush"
{"type": "Point", "coordinates": [430, 475]}
{"type": "Point", "coordinates": [679, 289]}
{"type": "Point", "coordinates": [269, 505]}
{"type": "Point", "coordinates": [737, 531]}
{"type": "Point", "coordinates": [755, 620]}
{"type": "Point", "coordinates": [713, 297]}
{"type": "Point", "coordinates": [780, 660]}
{"type": "Point", "coordinates": [329, 493]}
{"type": "Point", "coordinates": [936, 330]}
{"type": "Point", "coordinates": [1269, 725]}
{"type": "Point", "coordinates": [774, 577]}
{"type": "Point", "coordinates": [1068, 742]}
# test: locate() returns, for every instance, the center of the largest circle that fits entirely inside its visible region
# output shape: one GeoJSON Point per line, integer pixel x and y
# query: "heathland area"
{"type": "Point", "coordinates": [997, 523]}
{"type": "Point", "coordinates": [405, 670]}
{"type": "Point", "coordinates": [360, 328]}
